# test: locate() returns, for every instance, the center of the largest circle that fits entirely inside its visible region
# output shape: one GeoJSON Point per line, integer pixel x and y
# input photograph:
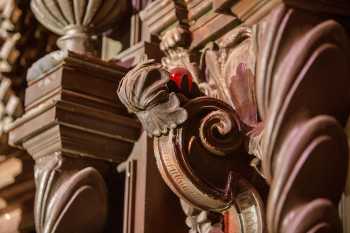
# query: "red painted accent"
{"type": "Point", "coordinates": [230, 222]}
{"type": "Point", "coordinates": [177, 75]}
{"type": "Point", "coordinates": [226, 222]}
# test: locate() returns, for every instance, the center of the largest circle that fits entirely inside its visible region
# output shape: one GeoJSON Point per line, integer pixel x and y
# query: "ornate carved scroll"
{"type": "Point", "coordinates": [229, 65]}
{"type": "Point", "coordinates": [202, 159]}
{"type": "Point", "coordinates": [303, 97]}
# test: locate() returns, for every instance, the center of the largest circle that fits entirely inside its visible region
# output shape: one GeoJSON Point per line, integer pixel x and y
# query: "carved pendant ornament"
{"type": "Point", "coordinates": [271, 105]}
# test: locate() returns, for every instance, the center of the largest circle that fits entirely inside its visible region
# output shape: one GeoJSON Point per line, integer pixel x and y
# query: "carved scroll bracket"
{"type": "Point", "coordinates": [201, 157]}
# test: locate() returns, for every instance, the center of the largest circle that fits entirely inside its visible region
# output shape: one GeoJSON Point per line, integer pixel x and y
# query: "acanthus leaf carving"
{"type": "Point", "coordinates": [243, 95]}
{"type": "Point", "coordinates": [221, 61]}
{"type": "Point", "coordinates": [156, 107]}
{"type": "Point", "coordinates": [200, 221]}
{"type": "Point", "coordinates": [230, 65]}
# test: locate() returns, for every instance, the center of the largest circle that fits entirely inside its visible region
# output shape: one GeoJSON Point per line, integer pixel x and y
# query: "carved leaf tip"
{"type": "Point", "coordinates": [144, 92]}
{"type": "Point", "coordinates": [243, 94]}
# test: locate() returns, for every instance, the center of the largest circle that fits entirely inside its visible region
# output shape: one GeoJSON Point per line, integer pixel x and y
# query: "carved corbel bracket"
{"type": "Point", "coordinates": [198, 144]}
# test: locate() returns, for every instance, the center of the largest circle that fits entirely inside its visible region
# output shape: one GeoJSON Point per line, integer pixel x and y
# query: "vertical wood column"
{"type": "Point", "coordinates": [150, 206]}
{"type": "Point", "coordinates": [77, 134]}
